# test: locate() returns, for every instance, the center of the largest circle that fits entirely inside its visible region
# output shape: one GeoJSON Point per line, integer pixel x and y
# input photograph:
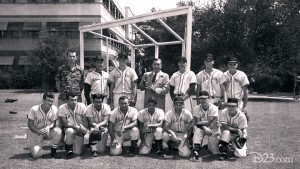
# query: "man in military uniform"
{"type": "Point", "coordinates": [69, 78]}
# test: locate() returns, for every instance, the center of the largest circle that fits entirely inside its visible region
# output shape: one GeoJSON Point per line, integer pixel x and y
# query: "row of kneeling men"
{"type": "Point", "coordinates": [177, 129]}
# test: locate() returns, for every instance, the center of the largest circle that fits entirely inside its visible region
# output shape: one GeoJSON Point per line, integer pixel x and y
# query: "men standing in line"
{"type": "Point", "coordinates": [69, 78]}
{"type": "Point", "coordinates": [178, 127]}
{"type": "Point", "coordinates": [122, 82]}
{"type": "Point", "coordinates": [74, 121]}
{"type": "Point", "coordinates": [211, 80]}
{"type": "Point", "coordinates": [150, 124]}
{"type": "Point", "coordinates": [236, 84]}
{"type": "Point", "coordinates": [206, 117]}
{"type": "Point", "coordinates": [96, 81]}
{"type": "Point", "coordinates": [41, 124]}
{"type": "Point", "coordinates": [97, 115]}
{"type": "Point", "coordinates": [155, 84]}
{"type": "Point", "coordinates": [122, 127]}
{"type": "Point", "coordinates": [182, 83]}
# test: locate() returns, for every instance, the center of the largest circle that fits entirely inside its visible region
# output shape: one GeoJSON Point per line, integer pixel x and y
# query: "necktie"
{"type": "Point", "coordinates": [154, 77]}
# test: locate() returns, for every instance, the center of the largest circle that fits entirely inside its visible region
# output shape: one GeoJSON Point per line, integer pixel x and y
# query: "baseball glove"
{"type": "Point", "coordinates": [221, 105]}
{"type": "Point", "coordinates": [175, 144]}
{"type": "Point", "coordinates": [240, 142]}
{"type": "Point", "coordinates": [95, 136]}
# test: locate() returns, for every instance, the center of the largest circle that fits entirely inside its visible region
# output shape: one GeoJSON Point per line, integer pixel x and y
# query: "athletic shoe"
{"type": "Point", "coordinates": [222, 157]}
{"type": "Point", "coordinates": [131, 151]}
{"type": "Point", "coordinates": [195, 156]}
{"type": "Point", "coordinates": [54, 154]}
{"type": "Point", "coordinates": [70, 153]}
{"type": "Point", "coordinates": [94, 154]}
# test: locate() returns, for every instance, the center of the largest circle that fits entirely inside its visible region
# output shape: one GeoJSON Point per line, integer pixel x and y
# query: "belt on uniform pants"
{"type": "Point", "coordinates": [178, 94]}
{"type": "Point", "coordinates": [214, 97]}
{"type": "Point", "coordinates": [99, 93]}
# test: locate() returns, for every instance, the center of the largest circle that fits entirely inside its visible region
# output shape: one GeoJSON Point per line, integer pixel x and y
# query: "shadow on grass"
{"type": "Point", "coordinates": [23, 156]}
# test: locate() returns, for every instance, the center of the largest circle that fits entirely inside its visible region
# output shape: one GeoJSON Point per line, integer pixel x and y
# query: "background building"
{"type": "Point", "coordinates": [23, 22]}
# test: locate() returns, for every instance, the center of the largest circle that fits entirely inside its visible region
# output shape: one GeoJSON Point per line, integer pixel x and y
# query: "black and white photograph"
{"type": "Point", "coordinates": [149, 84]}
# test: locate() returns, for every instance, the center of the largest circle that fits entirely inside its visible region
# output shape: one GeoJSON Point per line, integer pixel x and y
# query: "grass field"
{"type": "Point", "coordinates": [273, 133]}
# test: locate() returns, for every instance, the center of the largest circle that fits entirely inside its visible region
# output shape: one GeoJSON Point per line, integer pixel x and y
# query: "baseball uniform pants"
{"type": "Point", "coordinates": [184, 149]}
{"type": "Point", "coordinates": [132, 134]}
{"type": "Point", "coordinates": [101, 145]}
{"type": "Point", "coordinates": [146, 145]}
{"type": "Point", "coordinates": [35, 141]}
{"type": "Point", "coordinates": [213, 140]}
{"type": "Point", "coordinates": [227, 137]}
{"type": "Point", "coordinates": [71, 138]}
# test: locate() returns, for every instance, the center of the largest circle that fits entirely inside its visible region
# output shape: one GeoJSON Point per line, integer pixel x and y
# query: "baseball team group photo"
{"type": "Point", "coordinates": [213, 85]}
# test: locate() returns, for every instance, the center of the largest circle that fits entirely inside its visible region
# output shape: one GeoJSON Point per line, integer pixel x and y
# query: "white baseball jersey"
{"type": "Point", "coordinates": [203, 115]}
{"type": "Point", "coordinates": [123, 79]}
{"type": "Point", "coordinates": [98, 82]}
{"type": "Point", "coordinates": [145, 117]}
{"type": "Point", "coordinates": [234, 84]}
{"type": "Point", "coordinates": [211, 82]}
{"type": "Point", "coordinates": [179, 123]}
{"type": "Point", "coordinates": [238, 121]}
{"type": "Point", "coordinates": [98, 116]}
{"type": "Point", "coordinates": [42, 119]}
{"type": "Point", "coordinates": [182, 81]}
{"type": "Point", "coordinates": [74, 117]}
{"type": "Point", "coordinates": [120, 119]}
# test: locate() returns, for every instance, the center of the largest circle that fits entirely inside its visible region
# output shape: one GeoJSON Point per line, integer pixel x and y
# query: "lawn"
{"type": "Point", "coordinates": [273, 133]}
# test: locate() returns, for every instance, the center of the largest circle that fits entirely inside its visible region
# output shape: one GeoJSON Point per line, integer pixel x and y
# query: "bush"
{"type": "Point", "coordinates": [5, 80]}
{"type": "Point", "coordinates": [265, 83]}
{"type": "Point", "coordinates": [17, 80]}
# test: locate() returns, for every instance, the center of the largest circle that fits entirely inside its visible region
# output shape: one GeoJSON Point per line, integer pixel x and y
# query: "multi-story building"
{"type": "Point", "coordinates": [24, 22]}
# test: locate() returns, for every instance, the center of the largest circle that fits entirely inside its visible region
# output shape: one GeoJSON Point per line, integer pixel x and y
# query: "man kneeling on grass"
{"type": "Point", "coordinates": [122, 126]}
{"type": "Point", "coordinates": [97, 114]}
{"type": "Point", "coordinates": [178, 127]}
{"type": "Point", "coordinates": [41, 124]}
{"type": "Point", "coordinates": [234, 133]}
{"type": "Point", "coordinates": [150, 124]}
{"type": "Point", "coordinates": [205, 116]}
{"type": "Point", "coordinates": [73, 118]}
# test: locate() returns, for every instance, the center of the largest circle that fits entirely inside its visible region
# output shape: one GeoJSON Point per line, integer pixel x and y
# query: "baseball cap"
{"type": "Point", "coordinates": [122, 56]}
{"type": "Point", "coordinates": [209, 58]}
{"type": "Point", "coordinates": [232, 60]}
{"type": "Point", "coordinates": [232, 102]}
{"type": "Point", "coordinates": [203, 95]}
{"type": "Point", "coordinates": [178, 99]}
{"type": "Point", "coordinates": [152, 99]}
{"type": "Point", "coordinates": [182, 59]}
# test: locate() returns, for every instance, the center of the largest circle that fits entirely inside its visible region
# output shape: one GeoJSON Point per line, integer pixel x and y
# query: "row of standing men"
{"type": "Point", "coordinates": [122, 87]}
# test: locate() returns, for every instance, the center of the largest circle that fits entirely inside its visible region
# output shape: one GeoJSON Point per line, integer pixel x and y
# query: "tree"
{"type": "Point", "coordinates": [48, 55]}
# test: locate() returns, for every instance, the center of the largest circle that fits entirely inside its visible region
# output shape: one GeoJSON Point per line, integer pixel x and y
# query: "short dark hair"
{"type": "Point", "coordinates": [98, 96]}
{"type": "Point", "coordinates": [152, 99]}
{"type": "Point", "coordinates": [71, 51]}
{"type": "Point", "coordinates": [178, 99]}
{"type": "Point", "coordinates": [122, 55]}
{"type": "Point", "coordinates": [157, 60]}
{"type": "Point", "coordinates": [123, 98]}
{"type": "Point", "coordinates": [72, 94]}
{"type": "Point", "coordinates": [48, 94]}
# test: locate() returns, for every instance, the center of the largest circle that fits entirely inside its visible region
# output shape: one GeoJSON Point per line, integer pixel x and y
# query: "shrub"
{"type": "Point", "coordinates": [5, 80]}
{"type": "Point", "coordinates": [266, 83]}
{"type": "Point", "coordinates": [17, 80]}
